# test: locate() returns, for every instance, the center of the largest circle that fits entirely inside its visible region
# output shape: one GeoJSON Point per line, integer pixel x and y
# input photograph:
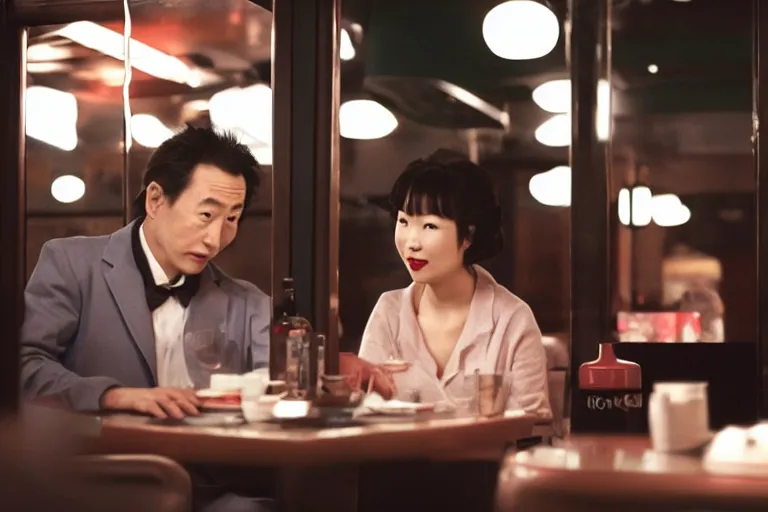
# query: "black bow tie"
{"type": "Point", "coordinates": [157, 295]}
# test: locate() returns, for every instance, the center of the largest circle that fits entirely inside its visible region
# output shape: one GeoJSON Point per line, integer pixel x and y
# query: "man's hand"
{"type": "Point", "coordinates": [161, 403]}
{"type": "Point", "coordinates": [361, 370]}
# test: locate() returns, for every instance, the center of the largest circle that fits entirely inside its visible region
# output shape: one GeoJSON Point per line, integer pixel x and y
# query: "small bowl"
{"type": "Point", "coordinates": [396, 365]}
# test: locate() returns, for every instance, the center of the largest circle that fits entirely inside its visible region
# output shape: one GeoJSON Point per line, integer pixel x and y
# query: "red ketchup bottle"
{"type": "Point", "coordinates": [611, 395]}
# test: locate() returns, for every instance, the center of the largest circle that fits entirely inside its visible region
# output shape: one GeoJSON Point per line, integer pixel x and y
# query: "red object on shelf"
{"type": "Point", "coordinates": [662, 326]}
{"type": "Point", "coordinates": [607, 372]}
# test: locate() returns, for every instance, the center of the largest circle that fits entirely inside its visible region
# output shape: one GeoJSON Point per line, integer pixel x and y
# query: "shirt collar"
{"type": "Point", "coordinates": [478, 325]}
{"type": "Point", "coordinates": [158, 274]}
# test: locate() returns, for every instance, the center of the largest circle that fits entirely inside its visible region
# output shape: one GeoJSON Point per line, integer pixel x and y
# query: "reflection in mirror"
{"type": "Point", "coordinates": [74, 156]}
{"type": "Point", "coordinates": [191, 62]}
{"type": "Point", "coordinates": [430, 97]}
{"type": "Point", "coordinates": [449, 85]}
{"type": "Point", "coordinates": [206, 64]}
{"type": "Point", "coordinates": [684, 181]}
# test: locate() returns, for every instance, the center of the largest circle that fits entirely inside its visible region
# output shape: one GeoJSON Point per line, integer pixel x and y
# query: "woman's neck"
{"type": "Point", "coordinates": [454, 291]}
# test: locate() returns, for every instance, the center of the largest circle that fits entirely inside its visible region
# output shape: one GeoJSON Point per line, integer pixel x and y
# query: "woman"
{"type": "Point", "coordinates": [454, 319]}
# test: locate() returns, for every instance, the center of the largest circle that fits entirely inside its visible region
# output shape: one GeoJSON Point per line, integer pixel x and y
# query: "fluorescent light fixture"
{"type": "Point", "coordinates": [244, 110]}
{"type": "Point", "coordinates": [143, 57]}
{"type": "Point", "coordinates": [346, 48]}
{"type": "Point", "coordinates": [641, 209]}
{"type": "Point", "coordinates": [474, 101]}
{"type": "Point", "coordinates": [149, 131]}
{"type": "Point", "coordinates": [51, 117]}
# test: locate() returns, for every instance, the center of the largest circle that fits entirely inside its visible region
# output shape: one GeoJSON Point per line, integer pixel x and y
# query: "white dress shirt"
{"type": "Point", "coordinates": [168, 322]}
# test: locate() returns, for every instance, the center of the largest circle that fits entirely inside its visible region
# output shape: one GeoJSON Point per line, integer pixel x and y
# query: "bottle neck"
{"type": "Point", "coordinates": [606, 354]}
{"type": "Point", "coordinates": [289, 303]}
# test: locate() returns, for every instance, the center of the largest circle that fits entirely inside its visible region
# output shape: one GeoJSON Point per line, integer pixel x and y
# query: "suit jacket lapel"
{"type": "Point", "coordinates": [127, 288]}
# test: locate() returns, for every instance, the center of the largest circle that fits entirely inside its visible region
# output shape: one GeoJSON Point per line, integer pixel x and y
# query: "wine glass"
{"type": "Point", "coordinates": [207, 346]}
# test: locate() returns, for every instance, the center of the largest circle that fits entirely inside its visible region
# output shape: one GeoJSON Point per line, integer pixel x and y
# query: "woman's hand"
{"type": "Point", "coordinates": [359, 371]}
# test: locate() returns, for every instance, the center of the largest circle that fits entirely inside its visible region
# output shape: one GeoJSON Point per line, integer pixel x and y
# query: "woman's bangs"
{"type": "Point", "coordinates": [424, 192]}
{"type": "Point", "coordinates": [423, 203]}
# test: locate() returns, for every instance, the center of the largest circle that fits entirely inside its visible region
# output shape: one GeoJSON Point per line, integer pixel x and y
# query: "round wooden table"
{"type": "Point", "coordinates": [312, 462]}
{"type": "Point", "coordinates": [588, 473]}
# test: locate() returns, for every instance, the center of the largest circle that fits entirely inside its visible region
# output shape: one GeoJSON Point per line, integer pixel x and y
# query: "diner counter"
{"type": "Point", "coordinates": [597, 472]}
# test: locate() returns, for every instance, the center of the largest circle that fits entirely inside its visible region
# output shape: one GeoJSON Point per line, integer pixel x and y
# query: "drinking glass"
{"type": "Point", "coordinates": [207, 347]}
{"type": "Point", "coordinates": [465, 400]}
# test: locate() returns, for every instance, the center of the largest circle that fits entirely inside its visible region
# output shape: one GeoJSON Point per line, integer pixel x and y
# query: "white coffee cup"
{"type": "Point", "coordinates": [226, 382]}
{"type": "Point", "coordinates": [678, 416]}
{"type": "Point", "coordinates": [254, 384]}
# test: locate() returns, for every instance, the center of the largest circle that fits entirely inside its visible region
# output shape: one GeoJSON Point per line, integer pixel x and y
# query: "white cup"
{"type": "Point", "coordinates": [254, 384]}
{"type": "Point", "coordinates": [678, 416]}
{"type": "Point", "coordinates": [259, 409]}
{"type": "Point", "coordinates": [226, 382]}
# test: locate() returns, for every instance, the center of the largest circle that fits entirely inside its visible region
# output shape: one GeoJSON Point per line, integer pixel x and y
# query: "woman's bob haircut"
{"type": "Point", "coordinates": [450, 186]}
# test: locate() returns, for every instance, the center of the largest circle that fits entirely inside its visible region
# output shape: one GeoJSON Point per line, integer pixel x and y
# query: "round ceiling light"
{"type": "Point", "coordinates": [552, 188]}
{"type": "Point", "coordinates": [555, 132]}
{"type": "Point", "coordinates": [67, 188]}
{"type": "Point", "coordinates": [521, 30]}
{"type": "Point", "coordinates": [365, 120]}
{"type": "Point", "coordinates": [667, 210]}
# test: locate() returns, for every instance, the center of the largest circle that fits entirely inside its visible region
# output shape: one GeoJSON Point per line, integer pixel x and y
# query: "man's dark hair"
{"type": "Point", "coordinates": [171, 165]}
{"type": "Point", "coordinates": [451, 186]}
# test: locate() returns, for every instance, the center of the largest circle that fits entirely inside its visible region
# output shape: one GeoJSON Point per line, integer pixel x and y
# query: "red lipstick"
{"type": "Point", "coordinates": [416, 264]}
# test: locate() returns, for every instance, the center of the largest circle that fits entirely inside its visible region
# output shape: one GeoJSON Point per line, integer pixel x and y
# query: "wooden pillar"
{"type": "Point", "coordinates": [305, 84]}
{"type": "Point", "coordinates": [589, 57]}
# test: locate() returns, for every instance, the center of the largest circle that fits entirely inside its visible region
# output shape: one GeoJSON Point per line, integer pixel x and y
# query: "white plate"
{"type": "Point", "coordinates": [400, 408]}
{"type": "Point", "coordinates": [215, 420]}
{"type": "Point", "coordinates": [208, 394]}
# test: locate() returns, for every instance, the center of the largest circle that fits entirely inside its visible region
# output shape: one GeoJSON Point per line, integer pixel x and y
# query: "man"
{"type": "Point", "coordinates": [106, 316]}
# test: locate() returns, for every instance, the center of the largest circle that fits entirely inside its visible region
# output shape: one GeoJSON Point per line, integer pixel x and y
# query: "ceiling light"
{"type": "Point", "coordinates": [143, 57]}
{"type": "Point", "coordinates": [67, 189]}
{"type": "Point", "coordinates": [555, 132]}
{"type": "Point", "coordinates": [555, 96]}
{"type": "Point", "coordinates": [552, 188]}
{"type": "Point", "coordinates": [149, 131]}
{"type": "Point", "coordinates": [668, 210]}
{"type": "Point", "coordinates": [635, 208]}
{"type": "Point", "coordinates": [346, 48]}
{"type": "Point", "coordinates": [365, 120]}
{"type": "Point", "coordinates": [51, 117]}
{"type": "Point", "coordinates": [44, 52]}
{"type": "Point", "coordinates": [521, 30]}
{"type": "Point", "coordinates": [262, 154]}
{"type": "Point", "coordinates": [247, 111]}
{"type": "Point", "coordinates": [653, 69]}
